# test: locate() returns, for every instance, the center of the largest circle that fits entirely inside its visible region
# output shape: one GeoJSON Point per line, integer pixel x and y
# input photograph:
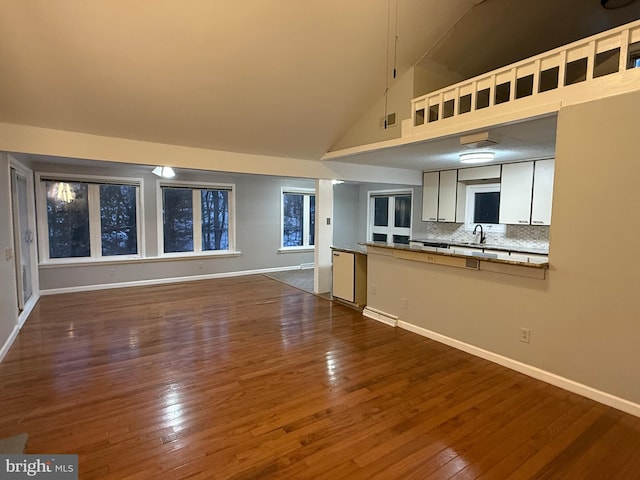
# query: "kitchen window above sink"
{"type": "Point", "coordinates": [483, 207]}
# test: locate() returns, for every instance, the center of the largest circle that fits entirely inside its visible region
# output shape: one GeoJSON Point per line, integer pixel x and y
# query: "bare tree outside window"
{"type": "Point", "coordinates": [68, 219]}
{"type": "Point", "coordinates": [293, 213]}
{"type": "Point", "coordinates": [178, 220]}
{"type": "Point", "coordinates": [298, 219]}
{"type": "Point", "coordinates": [215, 219]}
{"type": "Point", "coordinates": [118, 224]}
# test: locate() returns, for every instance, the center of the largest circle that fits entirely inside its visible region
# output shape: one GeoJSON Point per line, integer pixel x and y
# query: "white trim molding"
{"type": "Point", "coordinates": [7, 344]}
{"type": "Point", "coordinates": [531, 371]}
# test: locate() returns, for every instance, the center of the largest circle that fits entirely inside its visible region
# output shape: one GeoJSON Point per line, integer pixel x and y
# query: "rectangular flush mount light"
{"type": "Point", "coordinates": [477, 157]}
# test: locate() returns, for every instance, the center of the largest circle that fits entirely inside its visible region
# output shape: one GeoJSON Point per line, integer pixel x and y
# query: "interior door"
{"type": "Point", "coordinates": [22, 236]}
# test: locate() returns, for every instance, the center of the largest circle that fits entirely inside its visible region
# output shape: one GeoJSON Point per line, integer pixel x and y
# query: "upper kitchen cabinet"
{"type": "Point", "coordinates": [542, 192]}
{"type": "Point", "coordinates": [447, 196]}
{"type": "Point", "coordinates": [430, 186]}
{"type": "Point", "coordinates": [439, 195]}
{"type": "Point", "coordinates": [516, 186]}
{"type": "Point", "coordinates": [526, 193]}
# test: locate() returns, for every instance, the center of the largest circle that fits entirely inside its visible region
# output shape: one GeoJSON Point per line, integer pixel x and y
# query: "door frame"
{"type": "Point", "coordinates": [27, 306]}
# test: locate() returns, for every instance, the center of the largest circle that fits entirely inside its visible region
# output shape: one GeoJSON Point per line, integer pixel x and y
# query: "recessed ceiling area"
{"type": "Point", "coordinates": [529, 140]}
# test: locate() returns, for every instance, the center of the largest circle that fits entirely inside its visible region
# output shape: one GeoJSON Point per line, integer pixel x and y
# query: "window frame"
{"type": "Point", "coordinates": [93, 198]}
{"type": "Point", "coordinates": [471, 190]}
{"type": "Point", "coordinates": [195, 188]}
{"type": "Point", "coordinates": [392, 229]}
{"type": "Point", "coordinates": [307, 192]}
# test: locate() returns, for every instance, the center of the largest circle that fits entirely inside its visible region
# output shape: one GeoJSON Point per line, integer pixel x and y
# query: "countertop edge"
{"type": "Point", "coordinates": [440, 251]}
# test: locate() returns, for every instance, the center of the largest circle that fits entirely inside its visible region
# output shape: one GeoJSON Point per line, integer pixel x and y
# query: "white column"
{"type": "Point", "coordinates": [324, 236]}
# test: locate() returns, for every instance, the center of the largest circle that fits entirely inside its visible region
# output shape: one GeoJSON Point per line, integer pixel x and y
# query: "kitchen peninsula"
{"type": "Point", "coordinates": [532, 266]}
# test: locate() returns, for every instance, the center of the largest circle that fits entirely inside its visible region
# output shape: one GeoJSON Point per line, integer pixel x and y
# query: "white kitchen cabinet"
{"type": "Point", "coordinates": [516, 186]}
{"type": "Point", "coordinates": [439, 194]}
{"type": "Point", "coordinates": [486, 172]}
{"type": "Point", "coordinates": [447, 195]}
{"type": "Point", "coordinates": [349, 277]}
{"type": "Point", "coordinates": [542, 192]}
{"type": "Point", "coordinates": [430, 186]}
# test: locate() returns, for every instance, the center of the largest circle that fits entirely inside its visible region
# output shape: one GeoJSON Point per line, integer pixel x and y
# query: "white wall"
{"type": "Point", "coordinates": [257, 231]}
{"type": "Point", "coordinates": [367, 128]}
{"type": "Point", "coordinates": [584, 318]}
{"type": "Point", "coordinates": [346, 213]}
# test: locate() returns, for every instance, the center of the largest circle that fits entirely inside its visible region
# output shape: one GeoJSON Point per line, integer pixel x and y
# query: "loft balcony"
{"type": "Point", "coordinates": [602, 65]}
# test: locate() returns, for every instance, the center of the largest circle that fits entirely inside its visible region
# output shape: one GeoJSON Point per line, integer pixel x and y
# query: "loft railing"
{"type": "Point", "coordinates": [589, 60]}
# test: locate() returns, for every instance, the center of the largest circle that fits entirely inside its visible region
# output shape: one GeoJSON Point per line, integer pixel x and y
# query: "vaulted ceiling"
{"type": "Point", "coordinates": [276, 77]}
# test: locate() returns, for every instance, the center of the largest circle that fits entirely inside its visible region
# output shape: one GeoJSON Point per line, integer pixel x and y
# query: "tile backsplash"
{"type": "Point", "coordinates": [528, 236]}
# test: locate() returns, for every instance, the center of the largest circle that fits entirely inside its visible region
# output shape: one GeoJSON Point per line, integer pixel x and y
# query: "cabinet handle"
{"type": "Point", "coordinates": [523, 221]}
{"type": "Point", "coordinates": [440, 219]}
{"type": "Point", "coordinates": [432, 218]}
{"type": "Point", "coordinates": [537, 221]}
{"type": "Point", "coordinates": [336, 254]}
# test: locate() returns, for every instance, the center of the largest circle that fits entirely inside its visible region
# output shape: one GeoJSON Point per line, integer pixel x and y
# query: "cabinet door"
{"type": "Point", "coordinates": [430, 182]}
{"type": "Point", "coordinates": [515, 193]}
{"type": "Point", "coordinates": [542, 192]}
{"type": "Point", "coordinates": [447, 196]}
{"type": "Point", "coordinates": [343, 275]}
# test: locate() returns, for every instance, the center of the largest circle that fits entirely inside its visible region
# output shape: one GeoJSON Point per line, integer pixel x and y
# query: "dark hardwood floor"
{"type": "Point", "coordinates": [248, 378]}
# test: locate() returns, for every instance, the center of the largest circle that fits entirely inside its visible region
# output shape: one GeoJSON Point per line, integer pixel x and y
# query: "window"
{"type": "Point", "coordinates": [298, 218]}
{"type": "Point", "coordinates": [89, 218]}
{"type": "Point", "coordinates": [196, 218]}
{"type": "Point", "coordinates": [390, 216]}
{"type": "Point", "coordinates": [483, 207]}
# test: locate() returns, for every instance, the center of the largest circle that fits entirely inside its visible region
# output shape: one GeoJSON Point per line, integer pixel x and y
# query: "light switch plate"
{"type": "Point", "coordinates": [8, 253]}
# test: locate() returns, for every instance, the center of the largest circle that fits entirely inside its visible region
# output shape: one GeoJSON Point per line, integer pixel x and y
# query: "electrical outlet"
{"type": "Point", "coordinates": [200, 266]}
{"type": "Point", "coordinates": [404, 303]}
{"type": "Point", "coordinates": [525, 335]}
{"type": "Point", "coordinates": [372, 289]}
{"type": "Point", "coordinates": [8, 253]}
{"type": "Point", "coordinates": [112, 272]}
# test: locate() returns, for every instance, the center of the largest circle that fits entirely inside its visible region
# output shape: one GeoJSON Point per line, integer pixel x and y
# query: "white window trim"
{"type": "Point", "coordinates": [306, 223]}
{"type": "Point", "coordinates": [94, 217]}
{"type": "Point", "coordinates": [469, 224]}
{"type": "Point", "coordinates": [197, 218]}
{"type": "Point", "coordinates": [390, 230]}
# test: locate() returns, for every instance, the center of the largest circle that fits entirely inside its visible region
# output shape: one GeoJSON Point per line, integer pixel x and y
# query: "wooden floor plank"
{"type": "Point", "coordinates": [246, 377]}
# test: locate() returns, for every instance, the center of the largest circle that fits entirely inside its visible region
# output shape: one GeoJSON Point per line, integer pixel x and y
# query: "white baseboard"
{"type": "Point", "coordinates": [161, 281]}
{"type": "Point", "coordinates": [28, 307]}
{"type": "Point", "coordinates": [7, 345]}
{"type": "Point", "coordinates": [548, 377]}
{"type": "Point", "coordinates": [380, 316]}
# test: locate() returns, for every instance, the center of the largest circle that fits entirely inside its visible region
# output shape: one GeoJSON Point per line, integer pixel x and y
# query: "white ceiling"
{"type": "Point", "coordinates": [276, 77]}
{"type": "Point", "coordinates": [531, 140]}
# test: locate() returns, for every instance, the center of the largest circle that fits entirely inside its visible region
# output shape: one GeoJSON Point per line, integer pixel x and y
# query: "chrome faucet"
{"type": "Point", "coordinates": [482, 237]}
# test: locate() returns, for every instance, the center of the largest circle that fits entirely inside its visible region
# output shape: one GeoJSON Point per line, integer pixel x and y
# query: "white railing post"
{"type": "Point", "coordinates": [536, 77]}
{"type": "Point", "coordinates": [492, 91]}
{"type": "Point", "coordinates": [624, 50]}
{"type": "Point", "coordinates": [474, 95]}
{"type": "Point", "coordinates": [562, 69]}
{"type": "Point", "coordinates": [591, 60]}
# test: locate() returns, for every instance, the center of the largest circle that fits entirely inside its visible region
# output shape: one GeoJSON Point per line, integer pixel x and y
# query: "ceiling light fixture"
{"type": "Point", "coordinates": [477, 157]}
{"type": "Point", "coordinates": [164, 172]}
{"type": "Point", "coordinates": [337, 182]}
